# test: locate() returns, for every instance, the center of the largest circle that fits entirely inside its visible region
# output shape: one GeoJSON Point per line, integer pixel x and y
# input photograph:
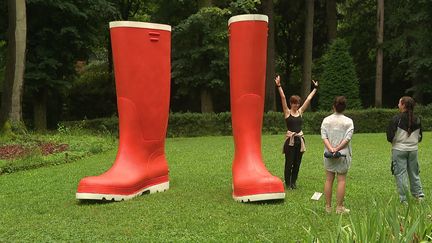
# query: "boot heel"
{"type": "Point", "coordinates": [158, 188]}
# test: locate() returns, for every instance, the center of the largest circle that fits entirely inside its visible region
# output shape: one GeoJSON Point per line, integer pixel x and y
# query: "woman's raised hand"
{"type": "Point", "coordinates": [315, 83]}
{"type": "Point", "coordinates": [277, 81]}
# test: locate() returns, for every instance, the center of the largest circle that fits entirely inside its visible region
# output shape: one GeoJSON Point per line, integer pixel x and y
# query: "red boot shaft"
{"type": "Point", "coordinates": [248, 48]}
{"type": "Point", "coordinates": [141, 54]}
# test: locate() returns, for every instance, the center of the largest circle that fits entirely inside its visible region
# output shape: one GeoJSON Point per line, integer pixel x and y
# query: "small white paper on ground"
{"type": "Point", "coordinates": [316, 196]}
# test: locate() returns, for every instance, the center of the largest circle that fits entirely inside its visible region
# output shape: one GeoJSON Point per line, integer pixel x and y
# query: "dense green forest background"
{"type": "Point", "coordinates": [68, 66]}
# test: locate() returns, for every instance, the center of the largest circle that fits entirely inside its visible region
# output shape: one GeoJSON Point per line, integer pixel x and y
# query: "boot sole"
{"type": "Point", "coordinates": [260, 197]}
{"type": "Point", "coordinates": [114, 197]}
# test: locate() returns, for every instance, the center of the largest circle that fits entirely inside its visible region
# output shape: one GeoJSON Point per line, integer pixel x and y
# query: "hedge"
{"type": "Point", "coordinates": [214, 124]}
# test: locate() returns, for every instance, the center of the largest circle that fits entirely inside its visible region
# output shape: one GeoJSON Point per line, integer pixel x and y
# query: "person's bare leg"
{"type": "Point", "coordinates": [340, 194]}
{"type": "Point", "coordinates": [328, 186]}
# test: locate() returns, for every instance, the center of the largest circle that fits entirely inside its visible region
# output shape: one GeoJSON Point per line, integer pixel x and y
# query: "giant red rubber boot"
{"type": "Point", "coordinates": [248, 49]}
{"type": "Point", "coordinates": [141, 54]}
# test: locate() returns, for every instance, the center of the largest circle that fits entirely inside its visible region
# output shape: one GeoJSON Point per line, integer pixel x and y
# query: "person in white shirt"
{"type": "Point", "coordinates": [336, 132]}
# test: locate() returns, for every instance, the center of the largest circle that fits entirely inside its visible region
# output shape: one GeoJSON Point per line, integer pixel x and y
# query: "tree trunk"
{"type": "Point", "coordinates": [270, 95]}
{"type": "Point", "coordinates": [11, 103]}
{"type": "Point", "coordinates": [206, 97]}
{"type": "Point", "coordinates": [40, 110]}
{"type": "Point", "coordinates": [379, 55]}
{"type": "Point", "coordinates": [418, 92]}
{"type": "Point", "coordinates": [206, 101]}
{"type": "Point", "coordinates": [307, 56]}
{"type": "Point", "coordinates": [331, 20]}
{"type": "Point", "coordinates": [129, 8]}
{"type": "Point", "coordinates": [124, 9]}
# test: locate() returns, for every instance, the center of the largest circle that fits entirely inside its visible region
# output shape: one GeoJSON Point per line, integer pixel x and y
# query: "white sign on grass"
{"type": "Point", "coordinates": [316, 196]}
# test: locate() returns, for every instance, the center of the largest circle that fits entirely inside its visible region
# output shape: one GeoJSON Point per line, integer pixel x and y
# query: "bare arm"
{"type": "Point", "coordinates": [329, 146]}
{"type": "Point", "coordinates": [338, 148]}
{"type": "Point", "coordinates": [282, 95]}
{"type": "Point", "coordinates": [342, 145]}
{"type": "Point", "coordinates": [309, 98]}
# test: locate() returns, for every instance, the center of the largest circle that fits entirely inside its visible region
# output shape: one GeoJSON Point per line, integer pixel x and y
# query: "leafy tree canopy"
{"type": "Point", "coordinates": [60, 33]}
{"type": "Point", "coordinates": [408, 42]}
{"type": "Point", "coordinates": [200, 53]}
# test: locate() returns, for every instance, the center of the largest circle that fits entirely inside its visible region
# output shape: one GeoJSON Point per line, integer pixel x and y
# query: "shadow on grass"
{"type": "Point", "coordinates": [95, 202]}
{"type": "Point", "coordinates": [82, 202]}
{"type": "Point", "coordinates": [267, 202]}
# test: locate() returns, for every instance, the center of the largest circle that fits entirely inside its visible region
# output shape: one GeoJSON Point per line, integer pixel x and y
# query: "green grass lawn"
{"type": "Point", "coordinates": [39, 205]}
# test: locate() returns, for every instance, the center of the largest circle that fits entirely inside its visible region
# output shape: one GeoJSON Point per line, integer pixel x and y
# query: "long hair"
{"type": "Point", "coordinates": [409, 104]}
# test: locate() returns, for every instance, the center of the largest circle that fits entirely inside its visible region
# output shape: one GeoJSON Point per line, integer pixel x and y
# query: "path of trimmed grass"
{"type": "Point", "coordinates": [39, 205]}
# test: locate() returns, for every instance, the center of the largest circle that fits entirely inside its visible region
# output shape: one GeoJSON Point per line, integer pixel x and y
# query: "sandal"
{"type": "Point", "coordinates": [342, 210]}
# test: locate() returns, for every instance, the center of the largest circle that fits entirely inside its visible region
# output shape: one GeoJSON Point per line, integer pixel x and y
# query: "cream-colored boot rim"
{"type": "Point", "coordinates": [114, 197]}
{"type": "Point", "coordinates": [260, 197]}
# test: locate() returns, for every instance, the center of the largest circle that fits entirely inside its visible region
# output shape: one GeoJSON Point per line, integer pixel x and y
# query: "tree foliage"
{"type": "Point", "coordinates": [407, 47]}
{"type": "Point", "coordinates": [171, 12]}
{"type": "Point", "coordinates": [200, 52]}
{"type": "Point", "coordinates": [63, 32]}
{"type": "Point", "coordinates": [59, 34]}
{"type": "Point", "coordinates": [92, 86]}
{"type": "Point", "coordinates": [338, 77]}
{"type": "Point", "coordinates": [244, 6]}
{"type": "Point", "coordinates": [289, 22]}
{"type": "Point", "coordinates": [408, 41]}
{"type": "Point", "coordinates": [66, 27]}
{"type": "Point", "coordinates": [357, 26]}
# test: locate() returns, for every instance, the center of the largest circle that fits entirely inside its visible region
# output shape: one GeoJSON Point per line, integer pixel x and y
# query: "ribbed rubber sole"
{"type": "Point", "coordinates": [260, 197]}
{"type": "Point", "coordinates": [113, 197]}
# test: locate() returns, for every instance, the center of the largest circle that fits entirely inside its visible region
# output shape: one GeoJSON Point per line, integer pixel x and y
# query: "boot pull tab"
{"type": "Point", "coordinates": [154, 36]}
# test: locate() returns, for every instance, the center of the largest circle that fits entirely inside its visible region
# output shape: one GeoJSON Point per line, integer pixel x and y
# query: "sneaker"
{"type": "Point", "coordinates": [342, 210]}
{"type": "Point", "coordinates": [328, 209]}
{"type": "Point", "coordinates": [420, 197]}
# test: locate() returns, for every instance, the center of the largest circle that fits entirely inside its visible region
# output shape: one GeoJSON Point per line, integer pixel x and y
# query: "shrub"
{"type": "Point", "coordinates": [104, 125]}
{"type": "Point", "coordinates": [93, 93]}
{"type": "Point", "coordinates": [199, 124]}
{"type": "Point", "coordinates": [215, 124]}
{"type": "Point", "coordinates": [338, 77]}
